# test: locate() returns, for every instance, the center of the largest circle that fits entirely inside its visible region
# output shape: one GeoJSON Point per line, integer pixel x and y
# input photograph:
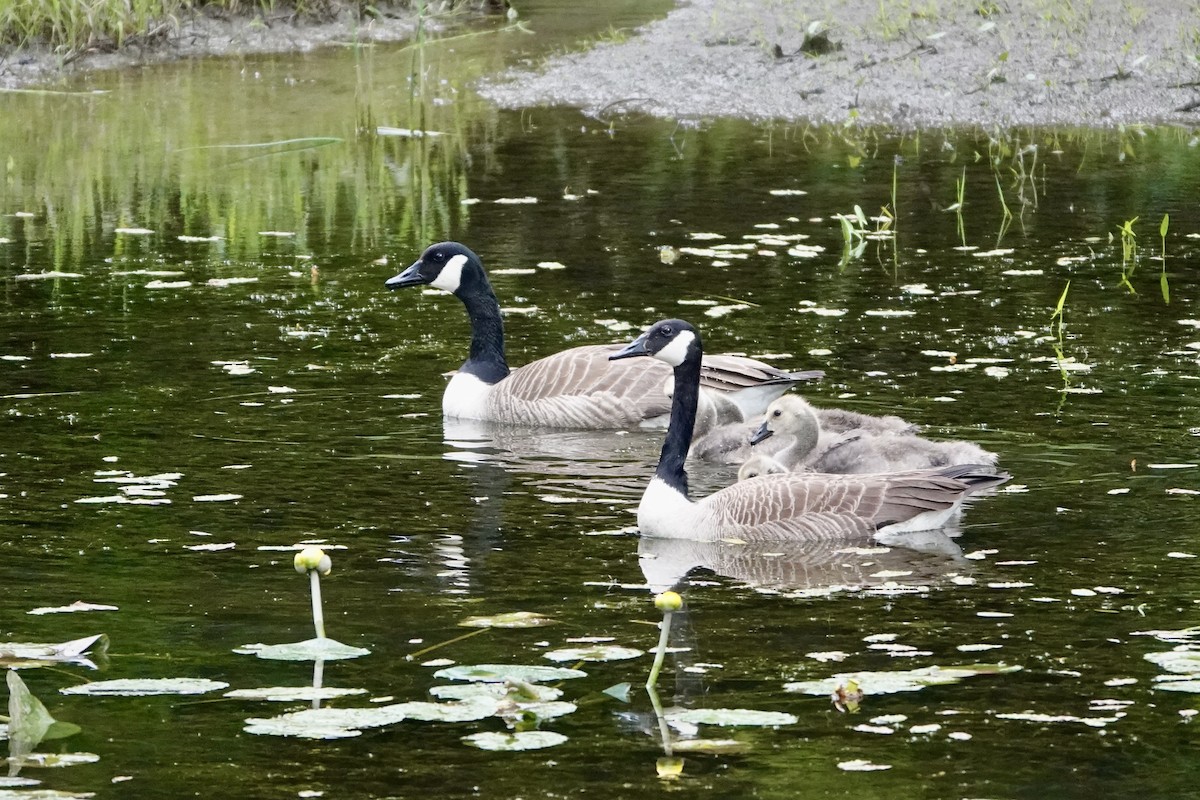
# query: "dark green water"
{"type": "Point", "coordinates": [331, 430]}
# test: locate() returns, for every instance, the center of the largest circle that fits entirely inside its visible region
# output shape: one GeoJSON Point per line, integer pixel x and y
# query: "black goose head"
{"type": "Point", "coordinates": [671, 340]}
{"type": "Point", "coordinates": [446, 265]}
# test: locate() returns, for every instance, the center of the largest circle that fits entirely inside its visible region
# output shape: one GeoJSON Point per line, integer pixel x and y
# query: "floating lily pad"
{"type": "Point", "coordinates": [1185, 662]}
{"type": "Point", "coordinates": [509, 619]}
{"type": "Point", "coordinates": [54, 760]}
{"type": "Point", "coordinates": [597, 652]}
{"type": "Point", "coordinates": [620, 691]}
{"type": "Point", "coordinates": [1170, 684]}
{"type": "Point", "coordinates": [731, 716]}
{"type": "Point", "coordinates": [902, 681]}
{"type": "Point", "coordinates": [340, 723]}
{"type": "Point", "coordinates": [496, 673]}
{"type": "Point", "coordinates": [318, 649]}
{"type": "Point", "coordinates": [77, 606]}
{"type": "Point", "coordinates": [710, 746]}
{"type": "Point", "coordinates": [31, 654]}
{"type": "Point", "coordinates": [521, 740]}
{"type": "Point", "coordinates": [861, 765]}
{"type": "Point", "coordinates": [144, 687]}
{"type": "Point", "coordinates": [288, 694]}
{"type": "Point", "coordinates": [517, 690]}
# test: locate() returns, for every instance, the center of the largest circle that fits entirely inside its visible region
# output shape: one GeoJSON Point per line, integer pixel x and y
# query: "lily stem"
{"type": "Point", "coordinates": [318, 615]}
{"type": "Point", "coordinates": [661, 652]}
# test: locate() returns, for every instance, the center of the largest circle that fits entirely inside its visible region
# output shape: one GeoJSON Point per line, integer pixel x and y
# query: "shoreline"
{"type": "Point", "coordinates": [942, 64]}
{"type": "Point", "coordinates": [905, 65]}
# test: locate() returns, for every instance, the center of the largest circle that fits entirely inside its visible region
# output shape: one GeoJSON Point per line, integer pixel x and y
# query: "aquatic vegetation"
{"type": "Point", "coordinates": [314, 562]}
{"type": "Point", "coordinates": [500, 673]}
{"type": "Point", "coordinates": [1128, 253]}
{"type": "Point", "coordinates": [873, 683]}
{"type": "Point", "coordinates": [1162, 277]}
{"type": "Point", "coordinates": [960, 190]}
{"type": "Point", "coordinates": [146, 687]}
{"type": "Point", "coordinates": [517, 740]}
{"type": "Point", "coordinates": [35, 654]}
{"type": "Point", "coordinates": [509, 619]}
{"type": "Point", "coordinates": [668, 603]}
{"type": "Point", "coordinates": [29, 724]}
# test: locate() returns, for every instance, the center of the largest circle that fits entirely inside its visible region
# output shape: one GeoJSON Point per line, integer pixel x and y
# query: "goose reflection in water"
{"type": "Point", "coordinates": [586, 464]}
{"type": "Point", "coordinates": [898, 563]}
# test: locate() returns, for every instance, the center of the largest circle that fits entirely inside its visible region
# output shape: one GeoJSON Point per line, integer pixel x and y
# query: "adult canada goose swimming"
{"type": "Point", "coordinates": [575, 388]}
{"type": "Point", "coordinates": [858, 451]}
{"type": "Point", "coordinates": [788, 506]}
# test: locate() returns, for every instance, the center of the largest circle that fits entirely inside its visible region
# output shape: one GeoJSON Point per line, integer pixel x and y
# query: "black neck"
{"type": "Point", "coordinates": [486, 360]}
{"type": "Point", "coordinates": [683, 422]}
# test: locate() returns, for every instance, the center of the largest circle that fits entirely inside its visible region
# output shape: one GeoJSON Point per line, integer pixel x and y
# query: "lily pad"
{"type": "Point", "coordinates": [1185, 662]}
{"type": "Point", "coordinates": [54, 760]}
{"type": "Point", "coordinates": [731, 716]}
{"type": "Point", "coordinates": [1174, 637]}
{"type": "Point", "coordinates": [521, 740]}
{"type": "Point", "coordinates": [597, 652]}
{"type": "Point", "coordinates": [509, 619]}
{"type": "Point", "coordinates": [28, 718]}
{"type": "Point", "coordinates": [289, 694]}
{"type": "Point", "coordinates": [901, 681]}
{"type": "Point", "coordinates": [318, 649]}
{"type": "Point", "coordinates": [32, 654]}
{"type": "Point", "coordinates": [341, 723]}
{"type": "Point", "coordinates": [497, 673]}
{"type": "Point", "coordinates": [144, 687]}
{"type": "Point", "coordinates": [517, 690]}
{"type": "Point", "coordinates": [709, 746]}
{"type": "Point", "coordinates": [1189, 684]}
{"type": "Point", "coordinates": [77, 606]}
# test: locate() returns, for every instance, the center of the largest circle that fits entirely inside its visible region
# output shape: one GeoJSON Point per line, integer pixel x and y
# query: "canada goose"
{"type": "Point", "coordinates": [789, 506]}
{"type": "Point", "coordinates": [575, 388]}
{"type": "Point", "coordinates": [856, 452]}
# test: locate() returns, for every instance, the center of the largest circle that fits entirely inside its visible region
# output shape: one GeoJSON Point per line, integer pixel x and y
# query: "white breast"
{"type": "Point", "coordinates": [665, 512]}
{"type": "Point", "coordinates": [466, 397]}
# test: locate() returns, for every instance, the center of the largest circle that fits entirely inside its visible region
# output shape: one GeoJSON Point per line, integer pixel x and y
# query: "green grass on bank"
{"type": "Point", "coordinates": [70, 26]}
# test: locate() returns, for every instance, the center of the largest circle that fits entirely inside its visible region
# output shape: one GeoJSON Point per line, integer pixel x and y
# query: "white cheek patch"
{"type": "Point", "coordinates": [451, 275]}
{"type": "Point", "coordinates": [677, 351]}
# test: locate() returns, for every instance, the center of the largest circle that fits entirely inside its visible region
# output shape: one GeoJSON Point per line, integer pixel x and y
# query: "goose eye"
{"type": "Point", "coordinates": [666, 330]}
{"type": "Point", "coordinates": [776, 413]}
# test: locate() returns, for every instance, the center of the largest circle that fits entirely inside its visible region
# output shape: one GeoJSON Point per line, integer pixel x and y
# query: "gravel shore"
{"type": "Point", "coordinates": [901, 63]}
